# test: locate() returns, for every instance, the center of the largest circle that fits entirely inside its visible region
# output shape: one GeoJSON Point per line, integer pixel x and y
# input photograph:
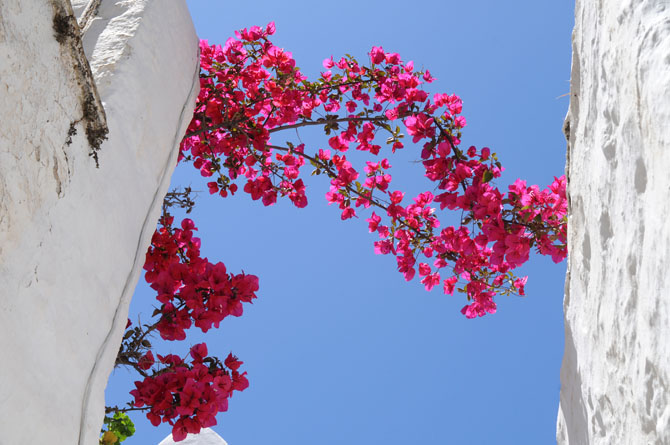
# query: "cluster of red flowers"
{"type": "Point", "coordinates": [250, 90]}
{"type": "Point", "coordinates": [188, 395]}
{"type": "Point", "coordinates": [190, 288]}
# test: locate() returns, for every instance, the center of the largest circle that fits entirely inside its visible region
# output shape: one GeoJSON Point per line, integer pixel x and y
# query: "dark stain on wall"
{"type": "Point", "coordinates": [68, 35]}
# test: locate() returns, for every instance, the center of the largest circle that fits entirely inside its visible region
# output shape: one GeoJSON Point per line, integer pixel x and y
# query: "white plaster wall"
{"type": "Point", "coordinates": [206, 436]}
{"type": "Point", "coordinates": [73, 237]}
{"type": "Point", "coordinates": [615, 378]}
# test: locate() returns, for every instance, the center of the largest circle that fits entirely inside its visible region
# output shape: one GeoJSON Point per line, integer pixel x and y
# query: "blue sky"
{"type": "Point", "coordinates": [338, 347]}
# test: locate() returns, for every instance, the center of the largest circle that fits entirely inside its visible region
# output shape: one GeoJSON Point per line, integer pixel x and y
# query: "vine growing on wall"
{"type": "Point", "coordinates": [241, 139]}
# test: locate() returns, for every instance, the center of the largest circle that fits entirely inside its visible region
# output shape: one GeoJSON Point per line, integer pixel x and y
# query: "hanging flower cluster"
{"type": "Point", "coordinates": [187, 395]}
{"type": "Point", "coordinates": [251, 91]}
{"type": "Point", "coordinates": [191, 290]}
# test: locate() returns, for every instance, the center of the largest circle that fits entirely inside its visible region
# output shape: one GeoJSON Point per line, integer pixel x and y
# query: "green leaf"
{"type": "Point", "coordinates": [120, 425]}
{"type": "Point", "coordinates": [487, 176]}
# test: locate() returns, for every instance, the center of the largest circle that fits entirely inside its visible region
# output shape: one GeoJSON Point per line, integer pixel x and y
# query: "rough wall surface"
{"type": "Point", "coordinates": [72, 236]}
{"type": "Point", "coordinates": [615, 378]}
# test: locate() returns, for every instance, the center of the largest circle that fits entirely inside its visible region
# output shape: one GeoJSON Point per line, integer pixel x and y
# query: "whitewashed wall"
{"type": "Point", "coordinates": [206, 436]}
{"type": "Point", "coordinates": [72, 236]}
{"type": "Point", "coordinates": [615, 378]}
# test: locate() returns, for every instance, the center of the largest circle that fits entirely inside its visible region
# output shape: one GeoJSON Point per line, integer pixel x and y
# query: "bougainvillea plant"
{"type": "Point", "coordinates": [251, 93]}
